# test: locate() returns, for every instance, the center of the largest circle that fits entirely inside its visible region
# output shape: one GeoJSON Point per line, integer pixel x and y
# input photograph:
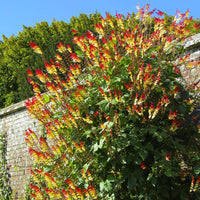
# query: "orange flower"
{"type": "Point", "coordinates": [152, 107]}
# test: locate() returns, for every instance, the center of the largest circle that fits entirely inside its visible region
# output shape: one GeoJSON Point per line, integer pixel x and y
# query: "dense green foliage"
{"type": "Point", "coordinates": [119, 126]}
{"type": "Point", "coordinates": [16, 56]}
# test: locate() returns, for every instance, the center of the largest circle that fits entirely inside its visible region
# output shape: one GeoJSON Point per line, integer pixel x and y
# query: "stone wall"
{"type": "Point", "coordinates": [15, 120]}
{"type": "Point", "coordinates": [192, 74]}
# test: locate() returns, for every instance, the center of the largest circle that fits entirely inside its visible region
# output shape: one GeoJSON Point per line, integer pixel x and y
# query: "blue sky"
{"type": "Point", "coordinates": [16, 13]}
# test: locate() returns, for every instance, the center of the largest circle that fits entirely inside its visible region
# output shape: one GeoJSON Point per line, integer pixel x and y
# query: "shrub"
{"type": "Point", "coordinates": [116, 121]}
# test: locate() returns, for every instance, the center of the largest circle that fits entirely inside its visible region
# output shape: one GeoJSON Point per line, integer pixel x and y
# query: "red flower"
{"type": "Point", "coordinates": [160, 13]}
{"type": "Point", "coordinates": [167, 156]}
{"type": "Point", "coordinates": [96, 113]}
{"type": "Point", "coordinates": [179, 123]}
{"type": "Point", "coordinates": [29, 72]}
{"type": "Point", "coordinates": [75, 57]}
{"type": "Point", "coordinates": [172, 115]}
{"type": "Point", "coordinates": [177, 71]}
{"type": "Point", "coordinates": [74, 31]}
{"type": "Point", "coordinates": [143, 166]}
{"type": "Point", "coordinates": [152, 106]}
{"type": "Point", "coordinates": [150, 13]}
{"type": "Point", "coordinates": [90, 35]}
{"type": "Point", "coordinates": [33, 195]}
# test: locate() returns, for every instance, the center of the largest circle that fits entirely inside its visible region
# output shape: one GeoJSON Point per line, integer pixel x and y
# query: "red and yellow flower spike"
{"type": "Point", "coordinates": [92, 191]}
{"type": "Point", "coordinates": [67, 194]}
{"type": "Point", "coordinates": [43, 144]}
{"type": "Point", "coordinates": [61, 47]}
{"type": "Point", "coordinates": [87, 120]}
{"type": "Point", "coordinates": [35, 47]}
{"type": "Point", "coordinates": [41, 75]}
{"type": "Point", "coordinates": [51, 69]}
{"type": "Point", "coordinates": [29, 72]}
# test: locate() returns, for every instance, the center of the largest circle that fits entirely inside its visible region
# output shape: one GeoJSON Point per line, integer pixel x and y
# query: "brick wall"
{"type": "Point", "coordinates": [15, 120]}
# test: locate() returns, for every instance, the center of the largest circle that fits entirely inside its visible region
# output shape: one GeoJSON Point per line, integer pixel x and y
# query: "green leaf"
{"type": "Point", "coordinates": [111, 178]}
{"type": "Point", "coordinates": [141, 196]}
{"type": "Point", "coordinates": [158, 136]}
{"type": "Point", "coordinates": [131, 181]}
{"type": "Point", "coordinates": [197, 169]}
{"type": "Point", "coordinates": [85, 167]}
{"type": "Point", "coordinates": [79, 54]}
{"type": "Point", "coordinates": [116, 80]}
{"type": "Point", "coordinates": [97, 146]}
{"type": "Point", "coordinates": [107, 107]}
{"type": "Point", "coordinates": [102, 102]}
{"type": "Point", "coordinates": [46, 98]}
{"type": "Point", "coordinates": [153, 181]}
{"type": "Point", "coordinates": [170, 173]}
{"type": "Point", "coordinates": [114, 101]}
{"type": "Point", "coordinates": [143, 154]}
{"type": "Point", "coordinates": [149, 176]}
{"type": "Point", "coordinates": [101, 142]}
{"type": "Point", "coordinates": [87, 133]}
{"type": "Point", "coordinates": [108, 185]}
{"type": "Point", "coordinates": [102, 186]}
{"type": "Point", "coordinates": [105, 186]}
{"type": "Point", "coordinates": [152, 129]}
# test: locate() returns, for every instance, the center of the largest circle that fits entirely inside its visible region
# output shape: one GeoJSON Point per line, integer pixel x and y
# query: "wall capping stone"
{"type": "Point", "coordinates": [13, 108]}
{"type": "Point", "coordinates": [191, 42]}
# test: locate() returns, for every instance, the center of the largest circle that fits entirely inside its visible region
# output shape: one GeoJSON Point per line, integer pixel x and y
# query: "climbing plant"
{"type": "Point", "coordinates": [5, 190]}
